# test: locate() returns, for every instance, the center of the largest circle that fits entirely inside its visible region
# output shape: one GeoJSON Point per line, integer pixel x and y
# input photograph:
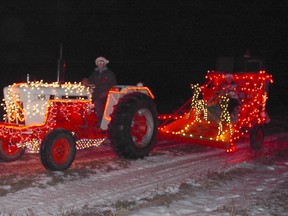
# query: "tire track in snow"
{"type": "Point", "coordinates": [142, 179]}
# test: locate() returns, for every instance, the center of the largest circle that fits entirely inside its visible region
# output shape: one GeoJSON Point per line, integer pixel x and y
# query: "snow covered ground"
{"type": "Point", "coordinates": [250, 188]}
{"type": "Point", "coordinates": [176, 179]}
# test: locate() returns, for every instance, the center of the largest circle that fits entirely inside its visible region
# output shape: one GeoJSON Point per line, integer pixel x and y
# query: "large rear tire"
{"type": "Point", "coordinates": [133, 126]}
{"type": "Point", "coordinates": [257, 137]}
{"type": "Point", "coordinates": [10, 152]}
{"type": "Point", "coordinates": [58, 150]}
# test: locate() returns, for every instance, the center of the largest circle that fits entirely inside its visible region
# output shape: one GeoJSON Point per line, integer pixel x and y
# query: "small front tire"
{"type": "Point", "coordinates": [10, 152]}
{"type": "Point", "coordinates": [58, 150]}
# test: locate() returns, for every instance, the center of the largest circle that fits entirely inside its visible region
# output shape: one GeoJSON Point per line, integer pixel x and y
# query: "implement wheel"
{"type": "Point", "coordinates": [256, 137]}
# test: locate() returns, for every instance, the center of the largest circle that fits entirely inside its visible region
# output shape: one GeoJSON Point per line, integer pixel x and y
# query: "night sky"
{"type": "Point", "coordinates": [166, 44]}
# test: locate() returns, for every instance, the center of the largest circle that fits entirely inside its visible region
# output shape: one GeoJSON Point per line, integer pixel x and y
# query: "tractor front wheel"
{"type": "Point", "coordinates": [10, 151]}
{"type": "Point", "coordinates": [58, 150]}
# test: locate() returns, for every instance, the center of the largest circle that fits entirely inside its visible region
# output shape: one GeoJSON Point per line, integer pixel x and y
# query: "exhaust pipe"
{"type": "Point", "coordinates": [61, 67]}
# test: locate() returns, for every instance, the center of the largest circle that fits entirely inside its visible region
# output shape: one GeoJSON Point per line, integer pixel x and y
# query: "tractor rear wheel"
{"type": "Point", "coordinates": [10, 151]}
{"type": "Point", "coordinates": [133, 126]}
{"type": "Point", "coordinates": [58, 150]}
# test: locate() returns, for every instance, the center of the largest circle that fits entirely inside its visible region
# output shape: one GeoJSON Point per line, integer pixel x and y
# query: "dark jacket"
{"type": "Point", "coordinates": [103, 81]}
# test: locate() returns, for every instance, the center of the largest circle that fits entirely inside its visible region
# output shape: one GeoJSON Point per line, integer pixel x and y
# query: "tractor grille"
{"type": "Point", "coordinates": [15, 112]}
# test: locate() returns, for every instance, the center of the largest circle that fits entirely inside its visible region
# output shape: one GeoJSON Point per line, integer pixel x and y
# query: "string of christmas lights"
{"type": "Point", "coordinates": [24, 101]}
{"type": "Point", "coordinates": [252, 91]}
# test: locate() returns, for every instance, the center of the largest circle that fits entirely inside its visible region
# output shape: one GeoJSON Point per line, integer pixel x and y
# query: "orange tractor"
{"type": "Point", "coordinates": [56, 119]}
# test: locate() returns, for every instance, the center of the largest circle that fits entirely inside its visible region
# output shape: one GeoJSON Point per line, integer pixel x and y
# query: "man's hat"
{"type": "Point", "coordinates": [101, 59]}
